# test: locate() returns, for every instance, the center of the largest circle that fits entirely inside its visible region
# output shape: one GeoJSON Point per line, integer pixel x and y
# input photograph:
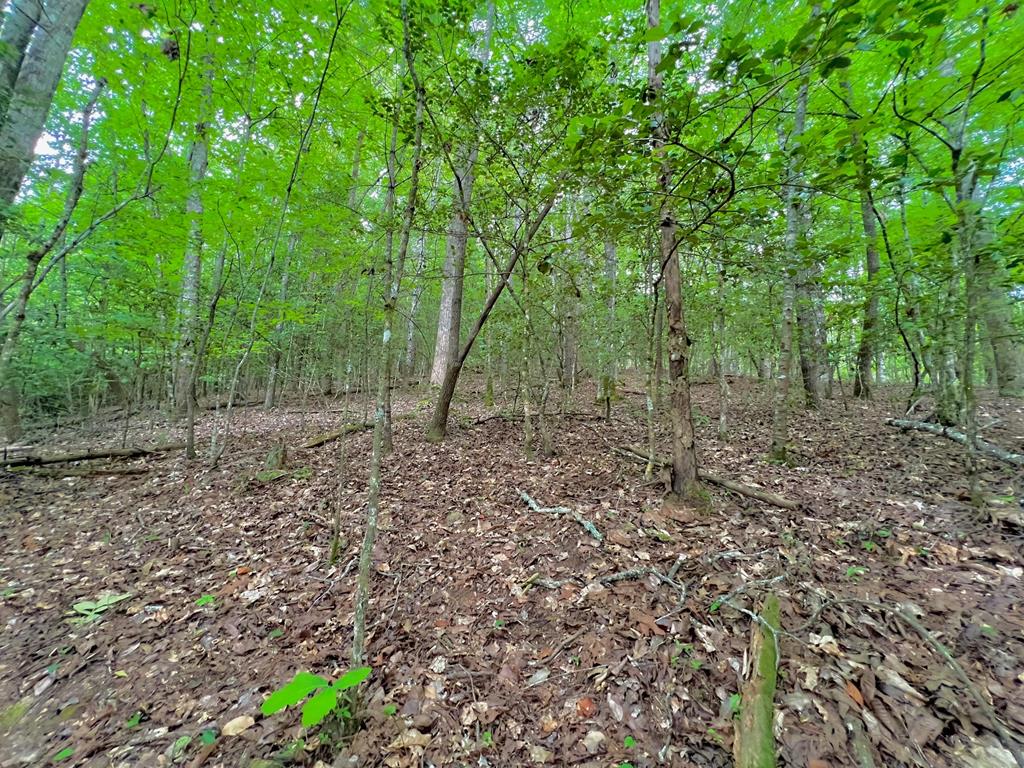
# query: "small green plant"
{"type": "Point", "coordinates": [134, 720]}
{"type": "Point", "coordinates": [206, 600]}
{"type": "Point", "coordinates": [390, 710]}
{"type": "Point", "coordinates": [869, 545]}
{"type": "Point", "coordinates": [487, 738]}
{"type": "Point", "coordinates": [629, 742]}
{"type": "Point", "coordinates": [89, 611]}
{"type": "Point", "coordinates": [64, 754]}
{"type": "Point", "coordinates": [275, 633]}
{"type": "Point", "coordinates": [324, 699]}
{"type": "Point", "coordinates": [855, 571]}
{"type": "Point", "coordinates": [734, 704]}
{"type": "Point", "coordinates": [696, 664]}
{"type": "Point", "coordinates": [208, 736]}
{"type": "Point", "coordinates": [499, 623]}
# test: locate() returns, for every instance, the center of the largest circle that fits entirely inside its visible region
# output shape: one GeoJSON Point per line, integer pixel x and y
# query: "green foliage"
{"type": "Point", "coordinates": [89, 611]}
{"type": "Point", "coordinates": [320, 695]}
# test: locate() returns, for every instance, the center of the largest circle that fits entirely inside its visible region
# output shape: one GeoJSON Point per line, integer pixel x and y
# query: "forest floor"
{"type": "Point", "coordinates": [492, 634]}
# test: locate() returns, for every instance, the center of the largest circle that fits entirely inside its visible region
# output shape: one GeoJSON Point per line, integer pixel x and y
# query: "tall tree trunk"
{"type": "Point", "coordinates": [1003, 335]}
{"type": "Point", "coordinates": [184, 392]}
{"type": "Point", "coordinates": [37, 79]}
{"type": "Point", "coordinates": [684, 453]}
{"type": "Point", "coordinates": [873, 263]}
{"type": "Point", "coordinates": [449, 319]}
{"type": "Point", "coordinates": [719, 352]}
{"type": "Point", "coordinates": [791, 258]}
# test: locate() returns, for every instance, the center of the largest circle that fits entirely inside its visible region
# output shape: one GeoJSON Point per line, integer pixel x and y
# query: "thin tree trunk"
{"type": "Point", "coordinates": [270, 398]}
{"type": "Point", "coordinates": [684, 454]}
{"type": "Point", "coordinates": [869, 329]}
{"type": "Point", "coordinates": [184, 392]}
{"type": "Point", "coordinates": [394, 275]}
{"type": "Point", "coordinates": [719, 347]}
{"type": "Point", "coordinates": [611, 346]}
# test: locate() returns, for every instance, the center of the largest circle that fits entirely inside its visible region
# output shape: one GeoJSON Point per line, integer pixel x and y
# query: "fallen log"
{"type": "Point", "coordinates": [348, 429]}
{"type": "Point", "coordinates": [641, 457]}
{"type": "Point", "coordinates": [36, 459]}
{"type": "Point", "coordinates": [754, 742]}
{"type": "Point", "coordinates": [984, 446]}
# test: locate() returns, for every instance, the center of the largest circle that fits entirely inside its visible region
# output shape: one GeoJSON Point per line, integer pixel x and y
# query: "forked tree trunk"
{"type": "Point", "coordinates": [9, 393]}
{"type": "Point", "coordinates": [449, 319]}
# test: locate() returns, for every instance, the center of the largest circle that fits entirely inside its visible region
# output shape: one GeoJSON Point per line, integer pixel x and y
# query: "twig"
{"type": "Point", "coordinates": [588, 526]}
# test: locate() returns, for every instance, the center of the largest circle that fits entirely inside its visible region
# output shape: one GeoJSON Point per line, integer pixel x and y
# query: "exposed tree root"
{"type": "Point", "coordinates": [36, 459]}
{"type": "Point", "coordinates": [641, 457]}
{"type": "Point", "coordinates": [985, 447]}
{"type": "Point", "coordinates": [588, 526]}
{"type": "Point", "coordinates": [329, 437]}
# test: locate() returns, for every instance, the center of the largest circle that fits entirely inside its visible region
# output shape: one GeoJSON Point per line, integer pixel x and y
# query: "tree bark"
{"type": "Point", "coordinates": [19, 25]}
{"type": "Point", "coordinates": [794, 231]}
{"type": "Point", "coordinates": [37, 78]}
{"type": "Point", "coordinates": [684, 454]}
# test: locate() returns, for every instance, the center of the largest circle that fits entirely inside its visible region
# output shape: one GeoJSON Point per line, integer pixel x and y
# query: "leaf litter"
{"type": "Point", "coordinates": [504, 636]}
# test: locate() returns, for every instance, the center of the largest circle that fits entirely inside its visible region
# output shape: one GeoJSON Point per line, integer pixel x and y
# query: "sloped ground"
{"type": "Point", "coordinates": [493, 634]}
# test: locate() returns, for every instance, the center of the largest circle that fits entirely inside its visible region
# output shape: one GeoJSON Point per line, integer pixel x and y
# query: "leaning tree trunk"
{"type": "Point", "coordinates": [37, 79]}
{"type": "Point", "coordinates": [684, 453]}
{"type": "Point", "coordinates": [449, 319]}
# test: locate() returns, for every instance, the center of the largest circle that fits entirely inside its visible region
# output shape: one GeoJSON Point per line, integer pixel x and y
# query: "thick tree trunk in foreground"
{"type": "Point", "coordinates": [449, 319]}
{"type": "Point", "coordinates": [684, 453]}
{"type": "Point", "coordinates": [37, 79]}
{"type": "Point", "coordinates": [19, 25]}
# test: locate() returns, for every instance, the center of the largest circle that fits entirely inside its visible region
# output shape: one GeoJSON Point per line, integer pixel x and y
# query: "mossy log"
{"type": "Point", "coordinates": [754, 744]}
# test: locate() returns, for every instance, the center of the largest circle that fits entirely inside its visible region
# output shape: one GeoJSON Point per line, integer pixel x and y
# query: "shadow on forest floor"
{"type": "Point", "coordinates": [492, 633]}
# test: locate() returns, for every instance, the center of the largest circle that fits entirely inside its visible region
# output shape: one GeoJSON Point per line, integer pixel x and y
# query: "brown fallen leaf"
{"type": "Point", "coordinates": [854, 693]}
{"type": "Point", "coordinates": [238, 725]}
{"type": "Point", "coordinates": [586, 707]}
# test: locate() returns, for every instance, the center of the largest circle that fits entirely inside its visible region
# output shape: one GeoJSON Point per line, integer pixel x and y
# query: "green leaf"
{"type": "Point", "coordinates": [205, 600]}
{"type": "Point", "coordinates": [64, 754]}
{"type": "Point", "coordinates": [303, 684]}
{"type": "Point", "coordinates": [208, 736]}
{"type": "Point", "coordinates": [318, 707]}
{"type": "Point", "coordinates": [352, 678]}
